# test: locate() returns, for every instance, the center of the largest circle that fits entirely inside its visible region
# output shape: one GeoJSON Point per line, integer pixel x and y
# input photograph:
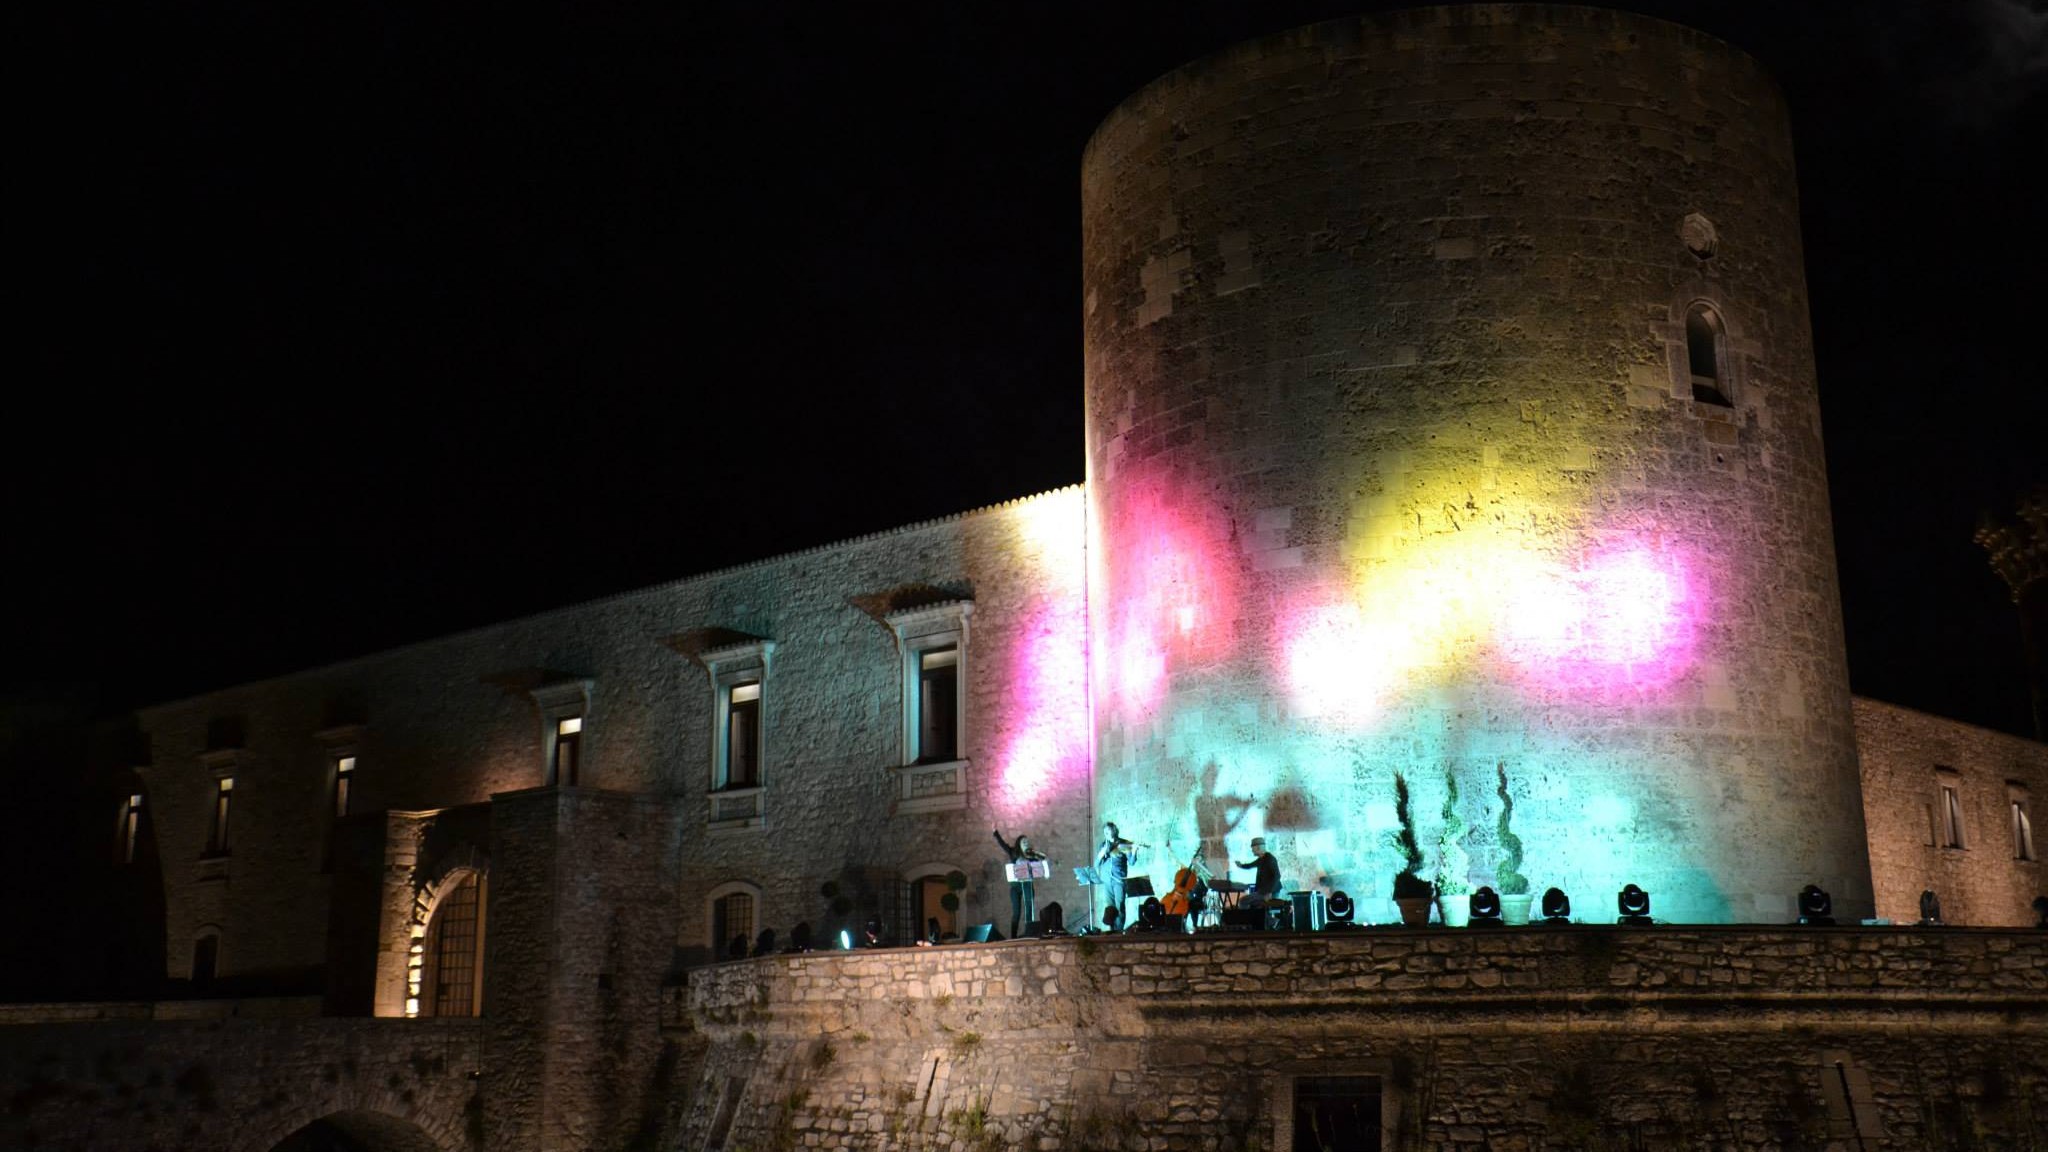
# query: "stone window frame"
{"type": "Point", "coordinates": [2019, 808]}
{"type": "Point", "coordinates": [711, 902]}
{"type": "Point", "coordinates": [339, 743]}
{"type": "Point", "coordinates": [128, 817]}
{"type": "Point", "coordinates": [744, 808]}
{"type": "Point", "coordinates": [932, 785]}
{"type": "Point", "coordinates": [1280, 1088]}
{"type": "Point", "coordinates": [1951, 831]}
{"type": "Point", "coordinates": [223, 766]}
{"type": "Point", "coordinates": [1730, 348]}
{"type": "Point", "coordinates": [563, 700]}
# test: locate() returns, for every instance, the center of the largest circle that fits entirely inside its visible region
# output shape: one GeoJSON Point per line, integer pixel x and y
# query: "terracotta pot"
{"type": "Point", "coordinates": [1514, 909]}
{"type": "Point", "coordinates": [1456, 910]}
{"type": "Point", "coordinates": [1414, 909]}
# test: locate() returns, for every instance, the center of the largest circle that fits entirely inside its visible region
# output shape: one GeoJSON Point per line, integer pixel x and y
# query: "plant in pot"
{"type": "Point", "coordinates": [1514, 887]}
{"type": "Point", "coordinates": [1411, 892]}
{"type": "Point", "coordinates": [1453, 892]}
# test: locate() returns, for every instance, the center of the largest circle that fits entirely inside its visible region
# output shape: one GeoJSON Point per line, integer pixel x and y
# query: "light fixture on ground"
{"type": "Point", "coordinates": [1151, 915]}
{"type": "Point", "coordinates": [1815, 906]}
{"type": "Point", "coordinates": [1930, 909]}
{"type": "Point", "coordinates": [1485, 908]}
{"type": "Point", "coordinates": [800, 937]}
{"type": "Point", "coordinates": [1338, 911]}
{"type": "Point", "coordinates": [1557, 907]}
{"type": "Point", "coordinates": [1634, 905]}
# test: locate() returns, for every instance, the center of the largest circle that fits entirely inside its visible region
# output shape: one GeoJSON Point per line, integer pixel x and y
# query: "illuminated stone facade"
{"type": "Point", "coordinates": [1395, 465]}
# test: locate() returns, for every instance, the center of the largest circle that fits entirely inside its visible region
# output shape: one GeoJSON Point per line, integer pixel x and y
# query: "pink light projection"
{"type": "Point", "coordinates": [1624, 618]}
{"type": "Point", "coordinates": [1175, 586]}
{"type": "Point", "coordinates": [1045, 750]}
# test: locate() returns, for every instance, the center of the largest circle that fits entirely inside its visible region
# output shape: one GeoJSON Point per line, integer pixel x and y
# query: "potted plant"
{"type": "Point", "coordinates": [1453, 893]}
{"type": "Point", "coordinates": [1514, 887]}
{"type": "Point", "coordinates": [1411, 892]}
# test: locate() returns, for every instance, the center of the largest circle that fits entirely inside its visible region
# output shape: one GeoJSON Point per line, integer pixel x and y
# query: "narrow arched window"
{"type": "Point", "coordinates": [1703, 333]}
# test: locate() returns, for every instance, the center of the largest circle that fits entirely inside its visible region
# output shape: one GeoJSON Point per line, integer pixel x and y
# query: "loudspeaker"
{"type": "Point", "coordinates": [981, 934]}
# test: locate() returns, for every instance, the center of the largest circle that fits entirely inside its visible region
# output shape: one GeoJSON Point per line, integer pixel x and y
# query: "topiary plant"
{"type": "Point", "coordinates": [1451, 861]}
{"type": "Point", "coordinates": [1508, 875]}
{"type": "Point", "coordinates": [1408, 882]}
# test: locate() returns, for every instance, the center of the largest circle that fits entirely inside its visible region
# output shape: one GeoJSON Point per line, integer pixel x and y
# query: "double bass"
{"type": "Point", "coordinates": [1190, 885]}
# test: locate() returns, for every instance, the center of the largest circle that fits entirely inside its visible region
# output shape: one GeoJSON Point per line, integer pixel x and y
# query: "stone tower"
{"type": "Point", "coordinates": [1451, 413]}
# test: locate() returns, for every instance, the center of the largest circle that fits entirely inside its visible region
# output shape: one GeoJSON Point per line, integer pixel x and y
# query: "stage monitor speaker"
{"type": "Point", "coordinates": [981, 934]}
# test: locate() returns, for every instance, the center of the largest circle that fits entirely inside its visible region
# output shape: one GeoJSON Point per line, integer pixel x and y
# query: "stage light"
{"type": "Point", "coordinates": [1815, 906]}
{"type": "Point", "coordinates": [764, 944]}
{"type": "Point", "coordinates": [1557, 907]}
{"type": "Point", "coordinates": [846, 939]}
{"type": "Point", "coordinates": [1152, 914]}
{"type": "Point", "coordinates": [800, 937]}
{"type": "Point", "coordinates": [1338, 911]}
{"type": "Point", "coordinates": [1930, 909]}
{"type": "Point", "coordinates": [1634, 905]}
{"type": "Point", "coordinates": [932, 932]}
{"type": "Point", "coordinates": [871, 933]}
{"type": "Point", "coordinates": [1485, 908]}
{"type": "Point", "coordinates": [1052, 920]}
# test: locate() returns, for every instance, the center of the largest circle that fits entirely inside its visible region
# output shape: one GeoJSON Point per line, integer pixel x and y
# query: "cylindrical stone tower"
{"type": "Point", "coordinates": [1451, 414]}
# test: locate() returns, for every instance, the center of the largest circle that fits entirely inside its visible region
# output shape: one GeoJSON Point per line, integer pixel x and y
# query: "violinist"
{"type": "Point", "coordinates": [1113, 862]}
{"type": "Point", "coordinates": [1266, 881]}
{"type": "Point", "coordinates": [1023, 898]}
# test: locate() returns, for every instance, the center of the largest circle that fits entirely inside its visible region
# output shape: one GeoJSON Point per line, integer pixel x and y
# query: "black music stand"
{"type": "Point", "coordinates": [1137, 888]}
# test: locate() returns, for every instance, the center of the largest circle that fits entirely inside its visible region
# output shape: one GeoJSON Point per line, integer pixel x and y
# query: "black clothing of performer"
{"type": "Point", "coordinates": [1267, 882]}
{"type": "Point", "coordinates": [1113, 866]}
{"type": "Point", "coordinates": [1023, 896]}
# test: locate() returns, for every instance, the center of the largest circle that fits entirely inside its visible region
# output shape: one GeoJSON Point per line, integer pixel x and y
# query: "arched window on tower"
{"type": "Point", "coordinates": [1703, 346]}
{"type": "Point", "coordinates": [453, 980]}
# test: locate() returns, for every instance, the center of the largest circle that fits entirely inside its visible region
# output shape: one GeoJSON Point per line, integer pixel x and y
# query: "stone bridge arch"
{"type": "Point", "coordinates": [356, 1130]}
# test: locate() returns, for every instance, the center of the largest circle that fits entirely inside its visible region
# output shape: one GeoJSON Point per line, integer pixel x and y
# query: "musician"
{"type": "Point", "coordinates": [1266, 884]}
{"type": "Point", "coordinates": [1023, 902]}
{"type": "Point", "coordinates": [1113, 864]}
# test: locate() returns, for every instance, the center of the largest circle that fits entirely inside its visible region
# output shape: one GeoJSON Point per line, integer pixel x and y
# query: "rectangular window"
{"type": "Point", "coordinates": [223, 793]}
{"type": "Point", "coordinates": [344, 775]}
{"type": "Point", "coordinates": [1336, 1112]}
{"type": "Point", "coordinates": [2022, 829]}
{"type": "Point", "coordinates": [742, 736]}
{"type": "Point", "coordinates": [568, 743]}
{"type": "Point", "coordinates": [130, 829]}
{"type": "Point", "coordinates": [732, 918]}
{"type": "Point", "coordinates": [1950, 814]}
{"type": "Point", "coordinates": [938, 703]}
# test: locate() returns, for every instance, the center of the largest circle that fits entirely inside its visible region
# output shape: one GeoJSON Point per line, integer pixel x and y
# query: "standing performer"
{"type": "Point", "coordinates": [1023, 903]}
{"type": "Point", "coordinates": [1114, 864]}
{"type": "Point", "coordinates": [1267, 881]}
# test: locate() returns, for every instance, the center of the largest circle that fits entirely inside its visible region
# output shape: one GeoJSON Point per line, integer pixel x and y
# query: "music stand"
{"type": "Point", "coordinates": [1027, 870]}
{"type": "Point", "coordinates": [1138, 887]}
{"type": "Point", "coordinates": [1086, 876]}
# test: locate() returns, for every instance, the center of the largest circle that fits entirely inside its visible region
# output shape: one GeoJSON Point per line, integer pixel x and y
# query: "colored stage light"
{"type": "Point", "coordinates": [1815, 906]}
{"type": "Point", "coordinates": [1634, 905]}
{"type": "Point", "coordinates": [1557, 907]}
{"type": "Point", "coordinates": [1338, 910]}
{"type": "Point", "coordinates": [1485, 907]}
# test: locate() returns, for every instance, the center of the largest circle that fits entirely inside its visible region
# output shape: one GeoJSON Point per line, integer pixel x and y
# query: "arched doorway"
{"type": "Point", "coordinates": [358, 1132]}
{"type": "Point", "coordinates": [452, 964]}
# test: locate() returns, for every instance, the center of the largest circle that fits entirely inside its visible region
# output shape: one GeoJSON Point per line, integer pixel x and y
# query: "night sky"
{"type": "Point", "coordinates": [353, 325]}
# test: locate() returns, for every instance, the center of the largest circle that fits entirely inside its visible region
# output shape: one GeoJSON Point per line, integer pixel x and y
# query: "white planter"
{"type": "Point", "coordinates": [1456, 910]}
{"type": "Point", "coordinates": [1514, 909]}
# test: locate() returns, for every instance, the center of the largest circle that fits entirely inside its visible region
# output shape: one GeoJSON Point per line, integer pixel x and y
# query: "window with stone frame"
{"type": "Point", "coordinates": [223, 806]}
{"type": "Point", "coordinates": [128, 829]}
{"type": "Point", "coordinates": [1705, 356]}
{"type": "Point", "coordinates": [565, 717]}
{"type": "Point", "coordinates": [2021, 809]}
{"type": "Point", "coordinates": [732, 922]}
{"type": "Point", "coordinates": [1948, 814]}
{"type": "Point", "coordinates": [936, 665]}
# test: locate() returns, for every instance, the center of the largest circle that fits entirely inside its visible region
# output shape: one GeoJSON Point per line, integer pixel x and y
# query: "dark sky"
{"type": "Point", "coordinates": [362, 323]}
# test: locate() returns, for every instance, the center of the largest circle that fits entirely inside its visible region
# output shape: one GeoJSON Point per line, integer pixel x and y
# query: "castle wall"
{"type": "Point", "coordinates": [1519, 1038]}
{"type": "Point", "coordinates": [1907, 756]}
{"type": "Point", "coordinates": [452, 722]}
{"type": "Point", "coordinates": [1395, 463]}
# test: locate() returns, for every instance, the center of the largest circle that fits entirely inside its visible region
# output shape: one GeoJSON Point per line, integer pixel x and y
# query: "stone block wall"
{"type": "Point", "coordinates": [452, 722]}
{"type": "Point", "coordinates": [1395, 462]}
{"type": "Point", "coordinates": [1906, 757]}
{"type": "Point", "coordinates": [1580, 1037]}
